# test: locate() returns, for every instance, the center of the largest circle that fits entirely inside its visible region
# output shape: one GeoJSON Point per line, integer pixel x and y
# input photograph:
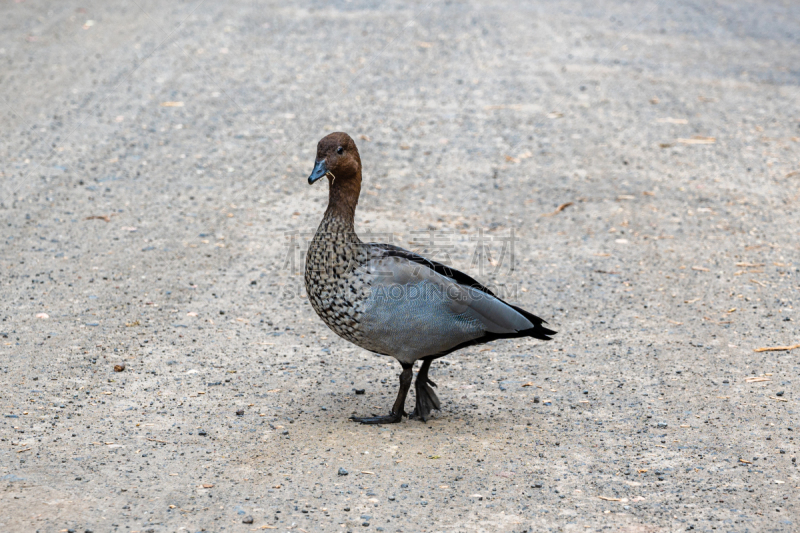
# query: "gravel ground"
{"type": "Point", "coordinates": [154, 207]}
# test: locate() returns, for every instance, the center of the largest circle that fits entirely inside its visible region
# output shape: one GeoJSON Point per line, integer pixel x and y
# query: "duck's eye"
{"type": "Point", "coordinates": [340, 150]}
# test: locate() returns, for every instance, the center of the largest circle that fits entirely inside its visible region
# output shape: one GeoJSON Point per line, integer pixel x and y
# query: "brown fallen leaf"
{"type": "Point", "coordinates": [793, 173]}
{"type": "Point", "coordinates": [610, 499]}
{"type": "Point", "coordinates": [777, 348]}
{"type": "Point", "coordinates": [528, 384]}
{"type": "Point", "coordinates": [697, 139]}
{"type": "Point", "coordinates": [208, 485]}
{"type": "Point", "coordinates": [106, 218]}
{"type": "Point", "coordinates": [744, 461]}
{"type": "Point", "coordinates": [558, 209]}
{"type": "Point", "coordinates": [119, 368]}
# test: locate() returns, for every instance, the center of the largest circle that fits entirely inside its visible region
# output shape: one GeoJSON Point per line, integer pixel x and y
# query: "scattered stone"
{"type": "Point", "coordinates": [779, 393]}
{"type": "Point", "coordinates": [119, 368]}
{"type": "Point", "coordinates": [346, 509]}
{"type": "Point", "coordinates": [662, 425]}
{"type": "Point", "coordinates": [202, 433]}
{"type": "Point", "coordinates": [360, 391]}
{"type": "Point", "coordinates": [342, 471]}
{"type": "Point", "coordinates": [240, 412]}
{"type": "Point", "coordinates": [247, 520]}
{"type": "Point", "coordinates": [536, 399]}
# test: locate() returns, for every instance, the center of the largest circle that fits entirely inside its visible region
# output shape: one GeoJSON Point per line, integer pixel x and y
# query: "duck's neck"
{"type": "Point", "coordinates": [342, 202]}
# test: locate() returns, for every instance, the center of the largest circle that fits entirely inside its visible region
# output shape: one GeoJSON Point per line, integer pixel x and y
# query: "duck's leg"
{"type": "Point", "coordinates": [396, 415]}
{"type": "Point", "coordinates": [426, 397]}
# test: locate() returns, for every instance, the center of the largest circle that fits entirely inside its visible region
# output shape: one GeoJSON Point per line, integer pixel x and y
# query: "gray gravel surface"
{"type": "Point", "coordinates": [153, 209]}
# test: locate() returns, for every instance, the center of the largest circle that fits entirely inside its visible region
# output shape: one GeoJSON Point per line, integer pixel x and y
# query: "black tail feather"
{"type": "Point", "coordinates": [538, 331]}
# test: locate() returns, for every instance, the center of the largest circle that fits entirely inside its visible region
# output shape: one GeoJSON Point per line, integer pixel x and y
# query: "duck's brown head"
{"type": "Point", "coordinates": [338, 159]}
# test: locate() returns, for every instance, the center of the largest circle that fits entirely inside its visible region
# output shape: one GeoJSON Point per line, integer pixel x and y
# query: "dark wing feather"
{"type": "Point", "coordinates": [389, 250]}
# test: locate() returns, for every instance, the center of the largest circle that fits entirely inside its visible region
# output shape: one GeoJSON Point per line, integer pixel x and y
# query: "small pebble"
{"type": "Point", "coordinates": [536, 399]}
{"type": "Point", "coordinates": [779, 393]}
{"type": "Point", "coordinates": [240, 412]}
{"type": "Point", "coordinates": [202, 433]}
{"type": "Point", "coordinates": [119, 368]}
{"type": "Point", "coordinates": [360, 391]}
{"type": "Point", "coordinates": [247, 520]}
{"type": "Point", "coordinates": [342, 471]}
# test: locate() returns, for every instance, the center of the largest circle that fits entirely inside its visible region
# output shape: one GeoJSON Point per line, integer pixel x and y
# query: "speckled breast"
{"type": "Point", "coordinates": [336, 282]}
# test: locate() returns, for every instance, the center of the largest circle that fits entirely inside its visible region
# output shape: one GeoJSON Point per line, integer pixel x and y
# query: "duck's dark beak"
{"type": "Point", "coordinates": [320, 169]}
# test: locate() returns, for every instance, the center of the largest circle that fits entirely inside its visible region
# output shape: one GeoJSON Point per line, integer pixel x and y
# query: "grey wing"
{"type": "Point", "coordinates": [413, 311]}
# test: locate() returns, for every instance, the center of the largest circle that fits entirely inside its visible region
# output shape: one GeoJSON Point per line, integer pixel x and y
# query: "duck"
{"type": "Point", "coordinates": [391, 301]}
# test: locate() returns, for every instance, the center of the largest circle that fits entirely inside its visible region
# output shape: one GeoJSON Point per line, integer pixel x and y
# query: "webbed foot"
{"type": "Point", "coordinates": [426, 399]}
{"type": "Point", "coordinates": [391, 418]}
